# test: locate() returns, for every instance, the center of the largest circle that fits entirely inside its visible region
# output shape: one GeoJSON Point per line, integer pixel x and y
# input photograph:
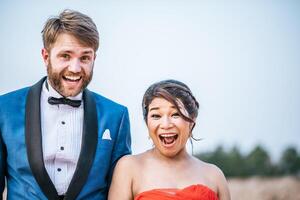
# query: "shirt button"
{"type": "Point", "coordinates": [59, 169]}
{"type": "Point", "coordinates": [62, 148]}
{"type": "Point", "coordinates": [63, 122]}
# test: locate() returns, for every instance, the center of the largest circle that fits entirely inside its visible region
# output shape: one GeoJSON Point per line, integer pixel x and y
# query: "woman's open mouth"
{"type": "Point", "coordinates": [168, 139]}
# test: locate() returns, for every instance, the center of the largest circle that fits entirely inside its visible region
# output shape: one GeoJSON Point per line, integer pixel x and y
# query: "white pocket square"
{"type": "Point", "coordinates": [106, 135]}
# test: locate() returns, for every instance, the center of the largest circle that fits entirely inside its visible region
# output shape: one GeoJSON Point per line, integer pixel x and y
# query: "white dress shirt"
{"type": "Point", "coordinates": [62, 127]}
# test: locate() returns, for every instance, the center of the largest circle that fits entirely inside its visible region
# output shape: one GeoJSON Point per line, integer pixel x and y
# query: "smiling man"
{"type": "Point", "coordinates": [58, 139]}
{"type": "Point", "coordinates": [69, 65]}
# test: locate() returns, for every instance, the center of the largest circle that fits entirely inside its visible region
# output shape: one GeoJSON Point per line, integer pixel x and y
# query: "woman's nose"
{"type": "Point", "coordinates": [166, 123]}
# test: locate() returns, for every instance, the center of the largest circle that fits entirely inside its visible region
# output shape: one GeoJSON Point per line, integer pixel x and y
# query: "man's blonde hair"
{"type": "Point", "coordinates": [74, 23]}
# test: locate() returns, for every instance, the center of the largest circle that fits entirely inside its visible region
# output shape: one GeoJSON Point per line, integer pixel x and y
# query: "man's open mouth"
{"type": "Point", "coordinates": [72, 78]}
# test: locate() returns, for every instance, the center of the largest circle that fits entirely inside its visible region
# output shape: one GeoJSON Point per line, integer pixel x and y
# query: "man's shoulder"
{"type": "Point", "coordinates": [13, 102]}
{"type": "Point", "coordinates": [16, 94]}
{"type": "Point", "coordinates": [22, 92]}
{"type": "Point", "coordinates": [106, 102]}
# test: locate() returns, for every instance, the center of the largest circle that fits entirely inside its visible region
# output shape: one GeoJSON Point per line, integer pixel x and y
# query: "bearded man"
{"type": "Point", "coordinates": [58, 140]}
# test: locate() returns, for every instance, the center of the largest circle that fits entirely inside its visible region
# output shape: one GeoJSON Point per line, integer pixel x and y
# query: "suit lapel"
{"type": "Point", "coordinates": [33, 138]}
{"type": "Point", "coordinates": [88, 146]}
{"type": "Point", "coordinates": [34, 141]}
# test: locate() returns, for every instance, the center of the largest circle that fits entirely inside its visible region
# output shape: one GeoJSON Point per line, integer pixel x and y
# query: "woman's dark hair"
{"type": "Point", "coordinates": [172, 91]}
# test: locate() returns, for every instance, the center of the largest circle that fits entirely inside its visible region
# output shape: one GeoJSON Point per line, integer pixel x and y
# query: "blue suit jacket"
{"type": "Point", "coordinates": [21, 158]}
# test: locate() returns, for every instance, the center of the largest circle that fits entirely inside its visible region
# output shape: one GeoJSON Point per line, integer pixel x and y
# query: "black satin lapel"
{"type": "Point", "coordinates": [34, 141]}
{"type": "Point", "coordinates": [88, 146]}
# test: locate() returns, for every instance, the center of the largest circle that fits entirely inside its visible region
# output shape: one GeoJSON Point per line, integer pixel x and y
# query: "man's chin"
{"type": "Point", "coordinates": [71, 93]}
{"type": "Point", "coordinates": [68, 91]}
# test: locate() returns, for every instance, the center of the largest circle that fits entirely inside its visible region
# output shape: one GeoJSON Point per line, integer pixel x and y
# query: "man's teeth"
{"type": "Point", "coordinates": [73, 78]}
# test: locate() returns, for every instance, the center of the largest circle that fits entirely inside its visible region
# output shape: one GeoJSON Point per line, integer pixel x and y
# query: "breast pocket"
{"type": "Point", "coordinates": [105, 140]}
{"type": "Point", "coordinates": [105, 144]}
{"type": "Point", "coordinates": [103, 154]}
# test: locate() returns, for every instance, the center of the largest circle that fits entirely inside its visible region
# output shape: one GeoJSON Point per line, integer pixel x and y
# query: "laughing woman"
{"type": "Point", "coordinates": [167, 171]}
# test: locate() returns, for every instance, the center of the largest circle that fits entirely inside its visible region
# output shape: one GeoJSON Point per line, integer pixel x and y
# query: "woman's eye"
{"type": "Point", "coordinates": [175, 115]}
{"type": "Point", "coordinates": [155, 116]}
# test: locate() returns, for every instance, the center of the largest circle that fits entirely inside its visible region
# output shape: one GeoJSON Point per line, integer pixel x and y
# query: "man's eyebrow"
{"type": "Point", "coordinates": [65, 51]}
{"type": "Point", "coordinates": [70, 52]}
{"type": "Point", "coordinates": [88, 52]}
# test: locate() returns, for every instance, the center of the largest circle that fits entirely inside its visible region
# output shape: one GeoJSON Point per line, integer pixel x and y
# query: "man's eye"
{"type": "Point", "coordinates": [65, 56]}
{"type": "Point", "coordinates": [85, 58]}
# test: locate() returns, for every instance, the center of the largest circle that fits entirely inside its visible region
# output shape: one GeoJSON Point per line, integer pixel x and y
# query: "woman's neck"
{"type": "Point", "coordinates": [181, 156]}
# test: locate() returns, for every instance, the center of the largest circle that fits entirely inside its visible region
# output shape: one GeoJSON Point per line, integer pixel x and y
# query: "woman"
{"type": "Point", "coordinates": [167, 171]}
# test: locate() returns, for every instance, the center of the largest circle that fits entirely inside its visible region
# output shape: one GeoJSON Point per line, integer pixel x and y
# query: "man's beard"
{"type": "Point", "coordinates": [56, 79]}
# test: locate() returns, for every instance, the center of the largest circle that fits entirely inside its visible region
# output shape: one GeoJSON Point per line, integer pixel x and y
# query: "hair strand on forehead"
{"type": "Point", "coordinates": [173, 91]}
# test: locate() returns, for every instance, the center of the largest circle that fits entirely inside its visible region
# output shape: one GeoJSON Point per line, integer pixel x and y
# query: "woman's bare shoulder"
{"type": "Point", "coordinates": [217, 177]}
{"type": "Point", "coordinates": [126, 161]}
{"type": "Point", "coordinates": [210, 169]}
{"type": "Point", "coordinates": [132, 161]}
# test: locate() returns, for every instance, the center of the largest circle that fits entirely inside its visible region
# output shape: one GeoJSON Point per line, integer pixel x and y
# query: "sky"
{"type": "Point", "coordinates": [240, 59]}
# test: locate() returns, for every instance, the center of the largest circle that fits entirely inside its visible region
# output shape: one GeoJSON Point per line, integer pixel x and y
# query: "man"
{"type": "Point", "coordinates": [59, 140]}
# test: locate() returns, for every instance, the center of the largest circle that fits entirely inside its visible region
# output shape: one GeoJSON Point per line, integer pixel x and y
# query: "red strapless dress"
{"type": "Point", "coordinates": [193, 192]}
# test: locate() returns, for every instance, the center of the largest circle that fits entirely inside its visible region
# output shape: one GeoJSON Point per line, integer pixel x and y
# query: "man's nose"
{"type": "Point", "coordinates": [75, 66]}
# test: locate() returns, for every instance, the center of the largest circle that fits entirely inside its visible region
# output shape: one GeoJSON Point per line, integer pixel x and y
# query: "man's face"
{"type": "Point", "coordinates": [69, 65]}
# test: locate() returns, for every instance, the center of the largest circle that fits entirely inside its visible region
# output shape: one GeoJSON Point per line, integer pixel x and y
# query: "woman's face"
{"type": "Point", "coordinates": [167, 129]}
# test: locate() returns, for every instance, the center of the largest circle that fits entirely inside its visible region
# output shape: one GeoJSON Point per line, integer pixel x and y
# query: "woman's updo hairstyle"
{"type": "Point", "coordinates": [172, 90]}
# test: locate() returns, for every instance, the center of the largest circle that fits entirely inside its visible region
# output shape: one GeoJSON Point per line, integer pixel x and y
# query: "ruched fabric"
{"type": "Point", "coordinates": [192, 192]}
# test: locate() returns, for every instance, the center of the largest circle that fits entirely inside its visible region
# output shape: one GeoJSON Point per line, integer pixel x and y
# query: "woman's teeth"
{"type": "Point", "coordinates": [168, 138]}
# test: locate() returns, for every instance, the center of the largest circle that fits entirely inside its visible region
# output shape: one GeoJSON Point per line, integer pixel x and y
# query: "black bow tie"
{"type": "Point", "coordinates": [70, 102]}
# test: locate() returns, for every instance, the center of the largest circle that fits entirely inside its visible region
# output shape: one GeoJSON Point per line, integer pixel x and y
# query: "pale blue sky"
{"type": "Point", "coordinates": [240, 58]}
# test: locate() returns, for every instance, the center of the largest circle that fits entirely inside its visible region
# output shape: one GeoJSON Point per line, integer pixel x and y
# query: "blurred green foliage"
{"type": "Point", "coordinates": [257, 162]}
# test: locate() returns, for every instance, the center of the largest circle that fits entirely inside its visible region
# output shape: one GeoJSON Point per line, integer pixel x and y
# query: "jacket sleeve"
{"type": "Point", "coordinates": [123, 143]}
{"type": "Point", "coordinates": [2, 160]}
{"type": "Point", "coordinates": [2, 168]}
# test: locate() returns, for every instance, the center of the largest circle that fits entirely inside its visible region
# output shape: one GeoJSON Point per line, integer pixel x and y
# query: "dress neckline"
{"type": "Point", "coordinates": [175, 190]}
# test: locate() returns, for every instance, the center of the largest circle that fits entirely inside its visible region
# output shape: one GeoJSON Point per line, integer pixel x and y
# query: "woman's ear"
{"type": "Point", "coordinates": [192, 125]}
